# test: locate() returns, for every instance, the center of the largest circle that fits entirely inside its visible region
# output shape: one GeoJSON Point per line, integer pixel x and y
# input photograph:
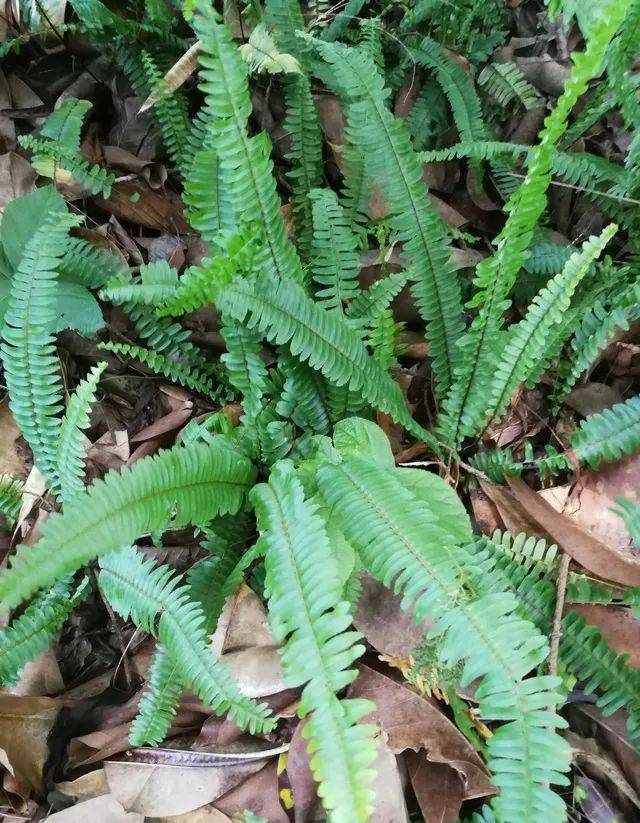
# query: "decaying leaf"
{"type": "Point", "coordinates": [25, 725]}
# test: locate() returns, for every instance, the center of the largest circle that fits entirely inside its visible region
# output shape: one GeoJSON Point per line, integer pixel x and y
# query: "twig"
{"type": "Point", "coordinates": [561, 590]}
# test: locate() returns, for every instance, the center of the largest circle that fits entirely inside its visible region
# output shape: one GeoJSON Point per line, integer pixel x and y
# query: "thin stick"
{"type": "Point", "coordinates": [561, 590]}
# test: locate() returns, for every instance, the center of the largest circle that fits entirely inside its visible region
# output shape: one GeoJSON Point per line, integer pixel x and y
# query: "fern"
{"type": "Point", "coordinates": [385, 143]}
{"type": "Point", "coordinates": [400, 543]}
{"type": "Point", "coordinates": [285, 315]}
{"type": "Point", "coordinates": [169, 111]}
{"type": "Point", "coordinates": [35, 629]}
{"type": "Point", "coordinates": [89, 266]}
{"type": "Point", "coordinates": [10, 497]}
{"type": "Point", "coordinates": [59, 143]}
{"type": "Point", "coordinates": [505, 83]}
{"type": "Point", "coordinates": [156, 602]}
{"type": "Point", "coordinates": [305, 155]}
{"type": "Point", "coordinates": [245, 166]}
{"type": "Point", "coordinates": [262, 54]}
{"type": "Point", "coordinates": [521, 357]}
{"type": "Point", "coordinates": [319, 649]}
{"type": "Point", "coordinates": [609, 435]}
{"type": "Point", "coordinates": [158, 281]}
{"type": "Point", "coordinates": [495, 276]}
{"type": "Point", "coordinates": [303, 398]}
{"type": "Point", "coordinates": [181, 485]}
{"type": "Point", "coordinates": [335, 262]}
{"type": "Point", "coordinates": [245, 367]}
{"type": "Point", "coordinates": [71, 451]}
{"type": "Point", "coordinates": [31, 365]}
{"type": "Point", "coordinates": [185, 375]}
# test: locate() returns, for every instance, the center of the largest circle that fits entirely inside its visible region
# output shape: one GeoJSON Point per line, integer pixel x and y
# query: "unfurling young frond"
{"type": "Point", "coordinates": [403, 545]}
{"type": "Point", "coordinates": [184, 374]}
{"type": "Point", "coordinates": [320, 648]}
{"type": "Point", "coordinates": [179, 486]}
{"type": "Point", "coordinates": [157, 602]}
{"type": "Point", "coordinates": [28, 353]}
{"type": "Point", "coordinates": [71, 449]}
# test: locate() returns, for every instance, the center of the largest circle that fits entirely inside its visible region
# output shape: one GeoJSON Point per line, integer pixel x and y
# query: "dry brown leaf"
{"type": "Point", "coordinates": [605, 561]}
{"type": "Point", "coordinates": [17, 177]}
{"type": "Point", "coordinates": [164, 791]}
{"type": "Point", "coordinates": [389, 804]}
{"type": "Point", "coordinates": [597, 763]}
{"type": "Point", "coordinates": [25, 724]}
{"type": "Point", "coordinates": [303, 786]}
{"type": "Point", "coordinates": [92, 784]}
{"type": "Point", "coordinates": [141, 205]}
{"type": "Point", "coordinates": [171, 422]}
{"type": "Point", "coordinates": [387, 627]}
{"type": "Point", "coordinates": [103, 809]}
{"type": "Point", "coordinates": [259, 794]}
{"type": "Point", "coordinates": [512, 514]}
{"type": "Point", "coordinates": [207, 814]}
{"type": "Point", "coordinates": [243, 623]}
{"type": "Point", "coordinates": [11, 461]}
{"type": "Point", "coordinates": [40, 677]}
{"type": "Point", "coordinates": [257, 671]}
{"type": "Point", "coordinates": [410, 721]}
{"type": "Point", "coordinates": [439, 789]}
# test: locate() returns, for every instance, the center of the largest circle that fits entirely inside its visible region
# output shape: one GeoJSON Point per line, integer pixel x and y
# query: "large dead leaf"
{"type": "Point", "coordinates": [25, 724]}
{"type": "Point", "coordinates": [141, 205]}
{"type": "Point", "coordinates": [11, 462]}
{"type": "Point", "coordinates": [390, 629]}
{"type": "Point", "coordinates": [207, 814]}
{"type": "Point", "coordinates": [103, 809]}
{"type": "Point", "coordinates": [389, 804]}
{"type": "Point", "coordinates": [164, 791]}
{"type": "Point", "coordinates": [410, 721]}
{"type": "Point", "coordinates": [605, 561]}
{"type": "Point", "coordinates": [303, 786]}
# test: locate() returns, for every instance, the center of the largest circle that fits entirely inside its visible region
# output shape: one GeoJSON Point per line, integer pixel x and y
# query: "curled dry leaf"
{"type": "Point", "coordinates": [410, 721]}
{"type": "Point", "coordinates": [25, 725]}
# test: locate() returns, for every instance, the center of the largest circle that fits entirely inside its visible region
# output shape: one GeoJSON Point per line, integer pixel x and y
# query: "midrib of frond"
{"type": "Point", "coordinates": [381, 112]}
{"type": "Point", "coordinates": [329, 696]}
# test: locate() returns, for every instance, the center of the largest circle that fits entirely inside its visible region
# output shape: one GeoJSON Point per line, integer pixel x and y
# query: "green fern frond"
{"type": "Point", "coordinates": [521, 357]}
{"type": "Point", "coordinates": [159, 704]}
{"type": "Point", "coordinates": [495, 276]}
{"type": "Point", "coordinates": [10, 497]}
{"type": "Point", "coordinates": [285, 19]}
{"type": "Point", "coordinates": [246, 167]}
{"type": "Point", "coordinates": [246, 370]}
{"type": "Point", "coordinates": [286, 315]}
{"type": "Point", "coordinates": [378, 297]}
{"type": "Point", "coordinates": [400, 543]}
{"type": "Point", "coordinates": [209, 206]}
{"type": "Point", "coordinates": [169, 110]}
{"type": "Point", "coordinates": [28, 353]}
{"type": "Point", "coordinates": [303, 127]}
{"type": "Point", "coordinates": [319, 647]}
{"type": "Point", "coordinates": [335, 262]}
{"type": "Point", "coordinates": [89, 266]}
{"type": "Point", "coordinates": [505, 82]}
{"type": "Point", "coordinates": [157, 284]}
{"type": "Point", "coordinates": [71, 451]}
{"type": "Point", "coordinates": [180, 485]}
{"type": "Point", "coordinates": [629, 510]}
{"type": "Point", "coordinates": [546, 259]}
{"type": "Point", "coordinates": [383, 338]}
{"type": "Point", "coordinates": [609, 435]}
{"type": "Point", "coordinates": [154, 598]}
{"type": "Point", "coordinates": [303, 398]}
{"type": "Point", "coordinates": [390, 159]}
{"type": "Point", "coordinates": [35, 629]}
